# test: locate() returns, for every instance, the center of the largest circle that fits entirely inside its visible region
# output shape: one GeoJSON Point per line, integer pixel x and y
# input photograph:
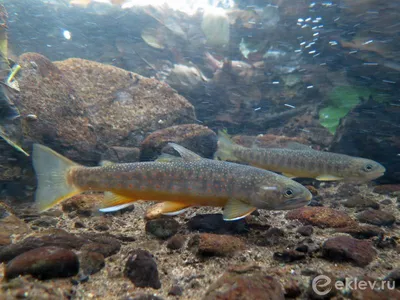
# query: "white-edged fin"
{"type": "Point", "coordinates": [112, 200]}
{"type": "Point", "coordinates": [104, 163]}
{"type": "Point", "coordinates": [114, 208]}
{"type": "Point", "coordinates": [328, 178]}
{"type": "Point", "coordinates": [165, 157]}
{"type": "Point", "coordinates": [185, 153]}
{"type": "Point", "coordinates": [236, 210]}
{"type": "Point", "coordinates": [166, 208]}
{"type": "Point", "coordinates": [52, 170]}
{"type": "Point", "coordinates": [175, 213]}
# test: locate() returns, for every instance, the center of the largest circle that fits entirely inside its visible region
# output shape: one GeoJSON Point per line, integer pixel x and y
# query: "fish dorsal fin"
{"type": "Point", "coordinates": [168, 208]}
{"type": "Point", "coordinates": [112, 200]}
{"type": "Point", "coordinates": [235, 209]}
{"type": "Point", "coordinates": [297, 146]}
{"type": "Point", "coordinates": [165, 157]}
{"type": "Point", "coordinates": [327, 177]}
{"type": "Point", "coordinates": [114, 208]}
{"type": "Point", "coordinates": [185, 153]}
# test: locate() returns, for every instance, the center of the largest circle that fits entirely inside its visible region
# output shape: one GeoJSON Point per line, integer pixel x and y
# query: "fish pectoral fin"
{"type": "Point", "coordinates": [112, 201]}
{"type": "Point", "coordinates": [186, 154]}
{"type": "Point", "coordinates": [236, 209]}
{"type": "Point", "coordinates": [328, 178]}
{"type": "Point", "coordinates": [289, 175]}
{"type": "Point", "coordinates": [168, 208]}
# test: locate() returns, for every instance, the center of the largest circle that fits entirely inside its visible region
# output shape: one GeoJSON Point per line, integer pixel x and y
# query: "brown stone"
{"type": "Point", "coordinates": [321, 217]}
{"type": "Point", "coordinates": [209, 244]}
{"type": "Point", "coordinates": [247, 286]}
{"type": "Point", "coordinates": [345, 248]}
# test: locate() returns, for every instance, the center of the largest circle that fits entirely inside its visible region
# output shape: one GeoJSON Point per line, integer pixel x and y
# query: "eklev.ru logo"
{"type": "Point", "coordinates": [321, 285]}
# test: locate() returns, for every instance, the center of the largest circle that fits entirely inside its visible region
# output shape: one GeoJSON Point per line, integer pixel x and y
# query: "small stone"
{"type": "Point", "coordinates": [175, 290]}
{"type": "Point", "coordinates": [44, 263]}
{"type": "Point", "coordinates": [141, 269]}
{"type": "Point", "coordinates": [305, 230]}
{"type": "Point", "coordinates": [101, 243]}
{"type": "Point", "coordinates": [208, 244]}
{"type": "Point", "coordinates": [214, 223]}
{"type": "Point", "coordinates": [162, 228]}
{"type": "Point", "coordinates": [289, 256]}
{"type": "Point", "coordinates": [361, 202]}
{"type": "Point", "coordinates": [83, 205]}
{"type": "Point", "coordinates": [143, 296]}
{"type": "Point", "coordinates": [386, 202]}
{"type": "Point", "coordinates": [376, 217]}
{"type": "Point", "coordinates": [345, 248]}
{"type": "Point", "coordinates": [45, 221]}
{"type": "Point", "coordinates": [321, 217]}
{"type": "Point", "coordinates": [250, 286]}
{"type": "Point", "coordinates": [10, 224]}
{"type": "Point", "coordinates": [292, 289]}
{"type": "Point", "coordinates": [79, 224]}
{"type": "Point", "coordinates": [394, 276]}
{"type": "Point", "coordinates": [361, 232]}
{"type": "Point", "coordinates": [176, 242]}
{"type": "Point", "coordinates": [312, 189]}
{"type": "Point", "coordinates": [91, 262]}
{"type": "Point", "coordinates": [273, 236]}
{"type": "Point", "coordinates": [367, 293]}
{"type": "Point", "coordinates": [51, 237]}
{"type": "Point", "coordinates": [387, 189]}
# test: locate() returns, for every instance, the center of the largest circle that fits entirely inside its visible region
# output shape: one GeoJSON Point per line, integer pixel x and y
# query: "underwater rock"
{"type": "Point", "coordinates": [101, 243]}
{"type": "Point", "coordinates": [142, 296]}
{"type": "Point", "coordinates": [175, 290]}
{"type": "Point", "coordinates": [394, 276]}
{"type": "Point", "coordinates": [376, 217]}
{"type": "Point", "coordinates": [321, 217]}
{"type": "Point", "coordinates": [53, 237]}
{"type": "Point", "coordinates": [99, 105]}
{"type": "Point", "coordinates": [361, 232]}
{"type": "Point", "coordinates": [273, 236]}
{"type": "Point", "coordinates": [382, 290]}
{"type": "Point", "coordinates": [101, 223]}
{"type": "Point", "coordinates": [10, 224]}
{"type": "Point", "coordinates": [360, 201]}
{"type": "Point", "coordinates": [306, 230]}
{"type": "Point", "coordinates": [45, 222]}
{"type": "Point", "coordinates": [289, 256]}
{"type": "Point", "coordinates": [345, 248]}
{"type": "Point", "coordinates": [208, 244]}
{"type": "Point", "coordinates": [375, 135]}
{"type": "Point", "coordinates": [141, 269]}
{"type": "Point", "coordinates": [197, 138]}
{"type": "Point", "coordinates": [214, 223]}
{"type": "Point", "coordinates": [176, 242]}
{"type": "Point", "coordinates": [162, 228]}
{"type": "Point", "coordinates": [44, 263]}
{"type": "Point", "coordinates": [387, 189]}
{"type": "Point", "coordinates": [249, 285]}
{"type": "Point", "coordinates": [91, 262]}
{"type": "Point", "coordinates": [83, 205]}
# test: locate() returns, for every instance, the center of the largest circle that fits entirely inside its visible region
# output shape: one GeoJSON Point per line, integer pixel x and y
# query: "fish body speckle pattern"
{"type": "Point", "coordinates": [178, 184]}
{"type": "Point", "coordinates": [304, 162]}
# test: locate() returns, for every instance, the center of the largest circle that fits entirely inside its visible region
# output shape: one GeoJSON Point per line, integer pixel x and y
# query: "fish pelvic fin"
{"type": "Point", "coordinates": [225, 147]}
{"type": "Point", "coordinates": [168, 208]}
{"type": "Point", "coordinates": [235, 210]}
{"type": "Point", "coordinates": [52, 171]}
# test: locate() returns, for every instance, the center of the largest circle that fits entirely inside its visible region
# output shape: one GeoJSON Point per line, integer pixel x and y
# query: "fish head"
{"type": "Point", "coordinates": [281, 193]}
{"type": "Point", "coordinates": [362, 169]}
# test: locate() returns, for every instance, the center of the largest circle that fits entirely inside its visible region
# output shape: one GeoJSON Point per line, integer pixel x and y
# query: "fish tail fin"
{"type": "Point", "coordinates": [225, 147]}
{"type": "Point", "coordinates": [52, 171]}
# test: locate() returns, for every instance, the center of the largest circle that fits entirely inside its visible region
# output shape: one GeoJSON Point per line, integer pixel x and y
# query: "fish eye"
{"type": "Point", "coordinates": [288, 192]}
{"type": "Point", "coordinates": [368, 167]}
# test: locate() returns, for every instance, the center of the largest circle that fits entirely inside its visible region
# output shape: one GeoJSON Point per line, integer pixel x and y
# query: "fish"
{"type": "Point", "coordinates": [300, 161]}
{"type": "Point", "coordinates": [85, 3]}
{"type": "Point", "coordinates": [177, 184]}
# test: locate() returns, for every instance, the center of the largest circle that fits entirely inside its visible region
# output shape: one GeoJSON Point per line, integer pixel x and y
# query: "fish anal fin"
{"type": "Point", "coordinates": [169, 208]}
{"type": "Point", "coordinates": [328, 178]}
{"type": "Point", "coordinates": [113, 200]}
{"type": "Point", "coordinates": [186, 154]}
{"type": "Point", "coordinates": [236, 210]}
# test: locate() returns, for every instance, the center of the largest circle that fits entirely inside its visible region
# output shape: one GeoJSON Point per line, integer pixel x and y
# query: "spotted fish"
{"type": "Point", "coordinates": [299, 160]}
{"type": "Point", "coordinates": [177, 184]}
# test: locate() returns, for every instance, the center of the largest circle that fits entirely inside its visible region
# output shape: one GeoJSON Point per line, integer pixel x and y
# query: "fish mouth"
{"type": "Point", "coordinates": [294, 203]}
